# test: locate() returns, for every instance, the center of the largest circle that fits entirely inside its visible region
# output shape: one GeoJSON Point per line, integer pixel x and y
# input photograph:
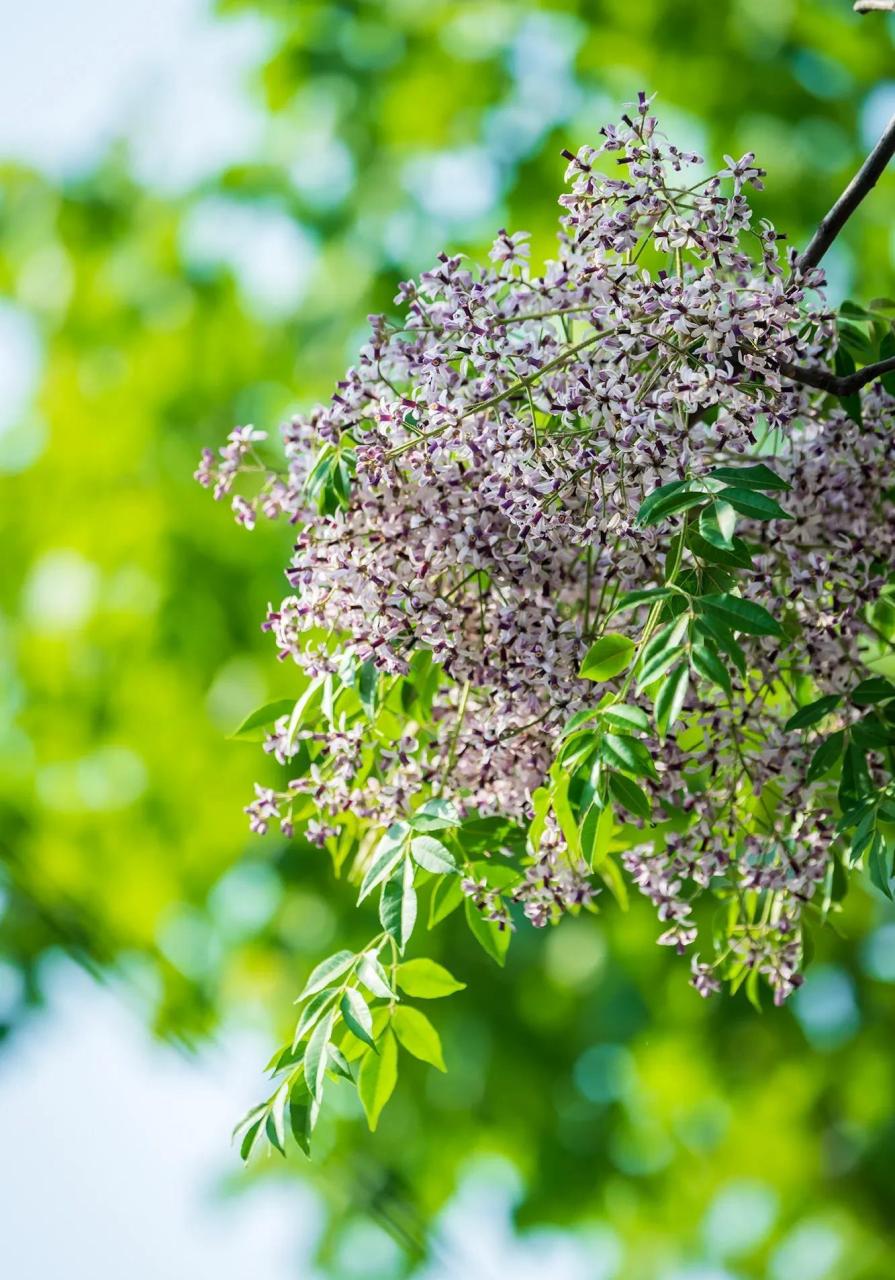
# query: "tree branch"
{"type": "Point", "coordinates": [836, 384]}
{"type": "Point", "coordinates": [860, 186]}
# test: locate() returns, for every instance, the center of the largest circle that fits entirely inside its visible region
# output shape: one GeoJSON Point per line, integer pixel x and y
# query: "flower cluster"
{"type": "Point", "coordinates": [472, 492]}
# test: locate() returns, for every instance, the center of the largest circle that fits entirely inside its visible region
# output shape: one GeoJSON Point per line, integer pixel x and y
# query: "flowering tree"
{"type": "Point", "coordinates": [587, 591]}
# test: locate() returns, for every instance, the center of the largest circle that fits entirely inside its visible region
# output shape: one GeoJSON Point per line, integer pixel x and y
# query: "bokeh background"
{"type": "Point", "coordinates": [199, 208]}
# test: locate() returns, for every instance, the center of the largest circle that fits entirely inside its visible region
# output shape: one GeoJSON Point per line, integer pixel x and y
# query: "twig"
{"type": "Point", "coordinates": [836, 384]}
{"type": "Point", "coordinates": [860, 186]}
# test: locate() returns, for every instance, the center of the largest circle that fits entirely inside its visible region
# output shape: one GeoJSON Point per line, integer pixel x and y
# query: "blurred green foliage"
{"type": "Point", "coordinates": [760, 1145]}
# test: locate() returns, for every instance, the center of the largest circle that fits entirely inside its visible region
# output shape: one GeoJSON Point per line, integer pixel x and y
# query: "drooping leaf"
{"type": "Point", "coordinates": [264, 717]}
{"type": "Point", "coordinates": [435, 815]}
{"type": "Point", "coordinates": [276, 1119]}
{"type": "Point", "coordinates": [378, 1077]}
{"type": "Point", "coordinates": [670, 698]}
{"type": "Point", "coordinates": [249, 1137]}
{"type": "Point", "coordinates": [657, 665]}
{"type": "Point", "coordinates": [625, 718]}
{"type": "Point", "coordinates": [301, 1111]}
{"type": "Point", "coordinates": [490, 936]}
{"type": "Point", "coordinates": [385, 858]}
{"type": "Point", "coordinates": [432, 855]}
{"type": "Point", "coordinates": [313, 1011]}
{"type": "Point", "coordinates": [607, 657]}
{"type": "Point", "coordinates": [629, 795]}
{"type": "Point", "coordinates": [373, 976]}
{"type": "Point", "coordinates": [357, 1016]}
{"type": "Point", "coordinates": [826, 755]}
{"type": "Point", "coordinates": [398, 904]}
{"type": "Point", "coordinates": [757, 476]}
{"type": "Point", "coordinates": [417, 1035]}
{"type": "Point", "coordinates": [367, 684]}
{"type": "Point", "coordinates": [650, 595]}
{"type": "Point", "coordinates": [719, 633]}
{"type": "Point", "coordinates": [326, 972]}
{"type": "Point", "coordinates": [879, 865]}
{"type": "Point", "coordinates": [740, 614]}
{"type": "Point", "coordinates": [813, 712]}
{"type": "Point", "coordinates": [668, 500]}
{"type": "Point", "coordinates": [315, 1056]}
{"type": "Point", "coordinates": [627, 754]}
{"type": "Point", "coordinates": [424, 979]}
{"type": "Point", "coordinates": [446, 897]}
{"type": "Point", "coordinates": [754, 505]}
{"type": "Point", "coordinates": [874, 689]}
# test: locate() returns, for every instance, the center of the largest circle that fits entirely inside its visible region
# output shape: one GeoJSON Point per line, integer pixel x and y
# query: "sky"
{"type": "Point", "coordinates": [117, 1158]}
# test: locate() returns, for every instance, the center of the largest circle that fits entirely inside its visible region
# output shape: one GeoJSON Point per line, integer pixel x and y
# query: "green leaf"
{"type": "Point", "coordinates": [854, 783]}
{"type": "Point", "coordinates": [627, 754]}
{"type": "Point", "coordinates": [717, 524]}
{"type": "Point", "coordinates": [631, 599]}
{"type": "Point", "coordinates": [313, 1011]}
{"type": "Point", "coordinates": [879, 864]}
{"type": "Point", "coordinates": [264, 716]}
{"type": "Point", "coordinates": [825, 756]}
{"type": "Point", "coordinates": [300, 1117]}
{"type": "Point", "coordinates": [378, 1077]}
{"type": "Point", "coordinates": [352, 1048]}
{"type": "Point", "coordinates": [607, 657]}
{"type": "Point", "coordinates": [315, 1056]}
{"type": "Point", "coordinates": [559, 799]}
{"type": "Point", "coordinates": [813, 712]}
{"type": "Point", "coordinates": [333, 967]}
{"type": "Point", "coordinates": [432, 855]}
{"type": "Point", "coordinates": [629, 795]}
{"type": "Point", "coordinates": [667, 637]}
{"type": "Point", "coordinates": [248, 1139]}
{"type": "Point", "coordinates": [757, 476]}
{"type": "Point", "coordinates": [873, 690]}
{"type": "Point", "coordinates": [843, 364]}
{"type": "Point", "coordinates": [417, 1035]}
{"type": "Point", "coordinates": [426, 980]}
{"type": "Point", "coordinates": [385, 858]}
{"type": "Point", "coordinates": [367, 679]}
{"type": "Point", "coordinates": [658, 664]}
{"type": "Point", "coordinates": [714, 631]}
{"type": "Point", "coordinates": [625, 718]}
{"type": "Point", "coordinates": [398, 905]}
{"type": "Point", "coordinates": [276, 1120]}
{"type": "Point", "coordinates": [306, 706]}
{"type": "Point", "coordinates": [435, 815]}
{"type": "Point", "coordinates": [489, 936]}
{"type": "Point", "coordinates": [706, 663]}
{"type": "Point", "coordinates": [668, 500]}
{"type": "Point", "coordinates": [446, 897]}
{"type": "Point", "coordinates": [670, 698]}
{"type": "Point", "coordinates": [337, 1063]}
{"type": "Point", "coordinates": [596, 836]}
{"type": "Point", "coordinates": [373, 976]}
{"type": "Point", "coordinates": [754, 505]}
{"type": "Point", "coordinates": [357, 1016]}
{"type": "Point", "coordinates": [739, 614]}
{"type": "Point", "coordinates": [736, 556]}
{"type": "Point", "coordinates": [872, 733]}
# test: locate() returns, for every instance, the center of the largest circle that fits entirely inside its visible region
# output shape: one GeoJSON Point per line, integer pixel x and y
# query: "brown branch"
{"type": "Point", "coordinates": [860, 186]}
{"type": "Point", "coordinates": [836, 384]}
